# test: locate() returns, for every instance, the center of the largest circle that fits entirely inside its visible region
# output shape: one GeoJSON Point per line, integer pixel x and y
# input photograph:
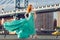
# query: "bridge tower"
{"type": "Point", "coordinates": [25, 3]}
{"type": "Point", "coordinates": [18, 4]}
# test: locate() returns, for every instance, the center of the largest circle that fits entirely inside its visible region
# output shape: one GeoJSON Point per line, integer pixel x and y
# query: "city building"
{"type": "Point", "coordinates": [58, 19]}
{"type": "Point", "coordinates": [44, 21]}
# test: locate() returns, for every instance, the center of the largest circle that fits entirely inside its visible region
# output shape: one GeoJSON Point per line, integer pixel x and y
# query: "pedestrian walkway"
{"type": "Point", "coordinates": [14, 37]}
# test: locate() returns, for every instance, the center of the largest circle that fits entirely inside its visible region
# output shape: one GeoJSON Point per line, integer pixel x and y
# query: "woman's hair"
{"type": "Point", "coordinates": [29, 8]}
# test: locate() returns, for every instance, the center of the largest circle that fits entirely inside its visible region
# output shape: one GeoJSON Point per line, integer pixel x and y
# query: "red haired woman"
{"type": "Point", "coordinates": [25, 27]}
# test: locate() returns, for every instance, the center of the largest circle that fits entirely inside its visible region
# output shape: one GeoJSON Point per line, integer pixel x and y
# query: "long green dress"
{"type": "Point", "coordinates": [23, 27]}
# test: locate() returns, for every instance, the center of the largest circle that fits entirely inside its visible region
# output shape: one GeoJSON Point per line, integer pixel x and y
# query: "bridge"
{"type": "Point", "coordinates": [40, 9]}
{"type": "Point", "coordinates": [47, 7]}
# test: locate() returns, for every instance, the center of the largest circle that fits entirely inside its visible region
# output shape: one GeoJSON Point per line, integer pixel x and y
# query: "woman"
{"type": "Point", "coordinates": [23, 27]}
{"type": "Point", "coordinates": [29, 10]}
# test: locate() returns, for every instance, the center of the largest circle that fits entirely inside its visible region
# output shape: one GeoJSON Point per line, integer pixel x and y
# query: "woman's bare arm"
{"type": "Point", "coordinates": [35, 16]}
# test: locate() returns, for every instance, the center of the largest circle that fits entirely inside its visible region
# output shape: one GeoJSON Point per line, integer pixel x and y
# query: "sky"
{"type": "Point", "coordinates": [9, 5]}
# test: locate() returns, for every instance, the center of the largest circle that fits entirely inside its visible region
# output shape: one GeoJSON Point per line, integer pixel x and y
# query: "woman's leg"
{"type": "Point", "coordinates": [35, 36]}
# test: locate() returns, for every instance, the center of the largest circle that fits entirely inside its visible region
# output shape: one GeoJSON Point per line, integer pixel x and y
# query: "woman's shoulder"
{"type": "Point", "coordinates": [31, 13]}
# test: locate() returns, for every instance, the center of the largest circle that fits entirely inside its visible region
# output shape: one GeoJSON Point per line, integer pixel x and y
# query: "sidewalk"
{"type": "Point", "coordinates": [14, 37]}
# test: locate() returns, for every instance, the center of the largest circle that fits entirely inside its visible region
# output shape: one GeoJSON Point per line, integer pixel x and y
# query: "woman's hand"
{"type": "Point", "coordinates": [35, 16]}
